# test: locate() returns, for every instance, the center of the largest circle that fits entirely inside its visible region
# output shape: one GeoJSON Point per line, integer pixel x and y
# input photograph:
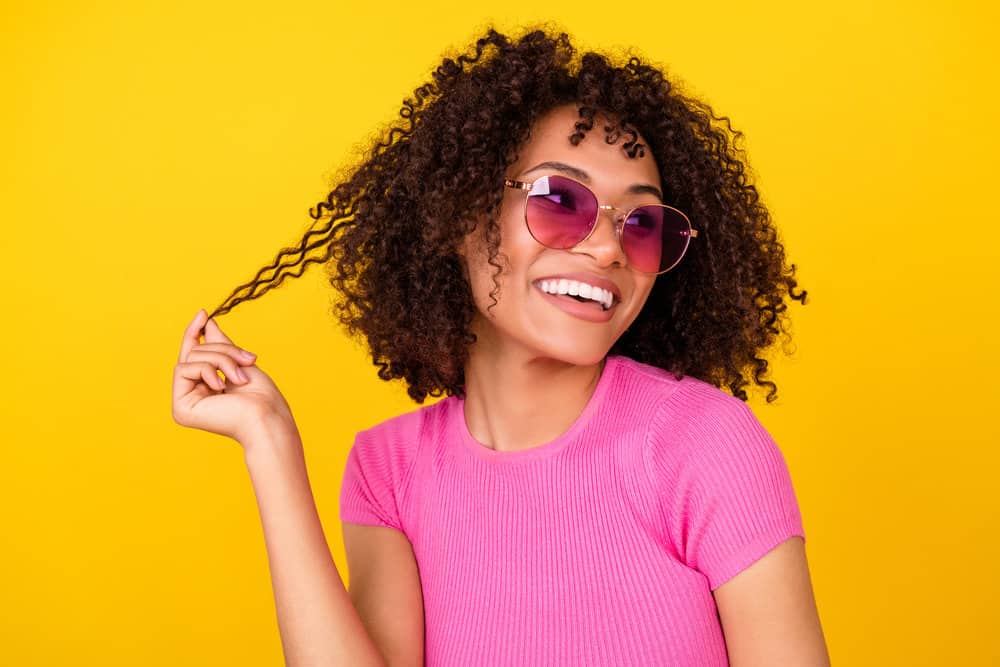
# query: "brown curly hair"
{"type": "Point", "coordinates": [395, 221]}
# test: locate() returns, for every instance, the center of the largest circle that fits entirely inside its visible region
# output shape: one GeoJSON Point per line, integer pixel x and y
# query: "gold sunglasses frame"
{"type": "Point", "coordinates": [619, 223]}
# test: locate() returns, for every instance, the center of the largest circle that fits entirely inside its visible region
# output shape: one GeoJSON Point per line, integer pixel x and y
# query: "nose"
{"type": "Point", "coordinates": [603, 244]}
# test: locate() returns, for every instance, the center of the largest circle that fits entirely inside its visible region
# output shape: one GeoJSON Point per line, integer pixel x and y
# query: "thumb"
{"type": "Point", "coordinates": [213, 334]}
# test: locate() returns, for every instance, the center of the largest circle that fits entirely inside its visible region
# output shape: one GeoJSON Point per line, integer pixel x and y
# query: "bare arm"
{"type": "Point", "coordinates": [385, 588]}
{"type": "Point", "coordinates": [768, 612]}
{"type": "Point", "coordinates": [316, 618]}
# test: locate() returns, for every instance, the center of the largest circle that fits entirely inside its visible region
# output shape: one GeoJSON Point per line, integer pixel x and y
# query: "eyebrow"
{"type": "Point", "coordinates": [576, 172]}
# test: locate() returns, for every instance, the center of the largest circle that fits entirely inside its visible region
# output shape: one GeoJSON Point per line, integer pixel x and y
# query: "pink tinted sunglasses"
{"type": "Point", "coordinates": [561, 212]}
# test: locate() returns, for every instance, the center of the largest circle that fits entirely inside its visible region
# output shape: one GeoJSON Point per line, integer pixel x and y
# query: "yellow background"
{"type": "Point", "coordinates": [155, 155]}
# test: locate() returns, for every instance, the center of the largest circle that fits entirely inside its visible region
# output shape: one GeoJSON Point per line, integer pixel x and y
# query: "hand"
{"type": "Point", "coordinates": [233, 407]}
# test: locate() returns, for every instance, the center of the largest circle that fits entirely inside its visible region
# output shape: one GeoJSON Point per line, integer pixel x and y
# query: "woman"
{"type": "Point", "coordinates": [568, 250]}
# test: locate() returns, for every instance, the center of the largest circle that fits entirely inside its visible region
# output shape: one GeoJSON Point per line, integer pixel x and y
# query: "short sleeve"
{"type": "Point", "coordinates": [368, 493]}
{"type": "Point", "coordinates": [726, 491]}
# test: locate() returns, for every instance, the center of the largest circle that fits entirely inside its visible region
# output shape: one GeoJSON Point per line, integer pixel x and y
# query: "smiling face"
{"type": "Point", "coordinates": [525, 318]}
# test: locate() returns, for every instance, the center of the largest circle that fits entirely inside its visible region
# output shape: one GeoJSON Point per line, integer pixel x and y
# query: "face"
{"type": "Point", "coordinates": [525, 317]}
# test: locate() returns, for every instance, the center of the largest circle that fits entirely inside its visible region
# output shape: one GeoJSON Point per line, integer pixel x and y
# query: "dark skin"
{"type": "Point", "coordinates": [534, 367]}
{"type": "Point", "coordinates": [406, 209]}
{"type": "Point", "coordinates": [529, 376]}
{"type": "Point", "coordinates": [524, 384]}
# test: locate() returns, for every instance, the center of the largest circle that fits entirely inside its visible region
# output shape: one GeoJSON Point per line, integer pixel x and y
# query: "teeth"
{"type": "Point", "coordinates": [577, 288]}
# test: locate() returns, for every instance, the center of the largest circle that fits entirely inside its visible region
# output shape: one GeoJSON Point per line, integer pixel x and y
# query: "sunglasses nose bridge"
{"type": "Point", "coordinates": [617, 220]}
{"type": "Point", "coordinates": [617, 215]}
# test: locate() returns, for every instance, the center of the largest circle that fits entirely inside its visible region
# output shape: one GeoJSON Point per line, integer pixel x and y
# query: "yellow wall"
{"type": "Point", "coordinates": [155, 155]}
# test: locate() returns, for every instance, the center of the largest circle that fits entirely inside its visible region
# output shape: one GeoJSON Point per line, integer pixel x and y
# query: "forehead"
{"type": "Point", "coordinates": [605, 162]}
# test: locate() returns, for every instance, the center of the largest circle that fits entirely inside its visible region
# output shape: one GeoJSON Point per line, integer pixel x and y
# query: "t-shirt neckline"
{"type": "Point", "coordinates": [468, 443]}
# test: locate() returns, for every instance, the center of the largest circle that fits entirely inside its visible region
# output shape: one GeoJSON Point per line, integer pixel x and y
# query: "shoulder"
{"type": "Point", "coordinates": [379, 469]}
{"type": "Point", "coordinates": [391, 447]}
{"type": "Point", "coordinates": [639, 386]}
{"type": "Point", "coordinates": [403, 427]}
{"type": "Point", "coordinates": [705, 448]}
{"type": "Point", "coordinates": [723, 487]}
{"type": "Point", "coordinates": [679, 408]}
{"type": "Point", "coordinates": [699, 422]}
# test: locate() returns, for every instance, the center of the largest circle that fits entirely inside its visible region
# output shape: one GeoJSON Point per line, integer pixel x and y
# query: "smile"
{"type": "Point", "coordinates": [594, 304]}
{"type": "Point", "coordinates": [580, 290]}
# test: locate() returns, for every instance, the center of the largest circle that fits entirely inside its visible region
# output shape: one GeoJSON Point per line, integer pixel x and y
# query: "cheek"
{"type": "Point", "coordinates": [516, 251]}
{"type": "Point", "coordinates": [645, 286]}
{"type": "Point", "coordinates": [478, 272]}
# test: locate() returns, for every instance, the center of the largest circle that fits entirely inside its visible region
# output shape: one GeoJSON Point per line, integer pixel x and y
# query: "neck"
{"type": "Point", "coordinates": [518, 399]}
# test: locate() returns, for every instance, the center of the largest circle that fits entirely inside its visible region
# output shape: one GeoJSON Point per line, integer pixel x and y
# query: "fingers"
{"type": "Point", "coordinates": [199, 362]}
{"type": "Point", "coordinates": [200, 371]}
{"type": "Point", "coordinates": [221, 360]}
{"type": "Point", "coordinates": [216, 340]}
{"type": "Point", "coordinates": [240, 355]}
{"type": "Point", "coordinates": [192, 334]}
{"type": "Point", "coordinates": [213, 334]}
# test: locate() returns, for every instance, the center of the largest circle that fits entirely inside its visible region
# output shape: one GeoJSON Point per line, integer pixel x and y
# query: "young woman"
{"type": "Point", "coordinates": [567, 249]}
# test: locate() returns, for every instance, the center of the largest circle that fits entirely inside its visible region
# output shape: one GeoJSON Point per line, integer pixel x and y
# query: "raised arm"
{"type": "Point", "coordinates": [317, 620]}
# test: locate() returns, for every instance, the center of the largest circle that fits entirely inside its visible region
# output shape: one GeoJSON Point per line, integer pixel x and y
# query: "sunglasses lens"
{"type": "Point", "coordinates": [655, 237]}
{"type": "Point", "coordinates": [560, 211]}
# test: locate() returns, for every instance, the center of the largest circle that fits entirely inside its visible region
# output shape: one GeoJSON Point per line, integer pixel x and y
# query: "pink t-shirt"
{"type": "Point", "coordinates": [600, 547]}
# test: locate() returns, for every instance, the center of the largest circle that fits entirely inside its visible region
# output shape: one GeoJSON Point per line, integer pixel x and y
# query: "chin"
{"type": "Point", "coordinates": [586, 356]}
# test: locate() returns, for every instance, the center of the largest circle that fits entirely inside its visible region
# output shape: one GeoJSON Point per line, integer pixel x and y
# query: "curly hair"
{"type": "Point", "coordinates": [393, 224]}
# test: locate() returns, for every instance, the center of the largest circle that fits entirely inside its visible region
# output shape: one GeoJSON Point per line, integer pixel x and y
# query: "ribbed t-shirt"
{"type": "Point", "coordinates": [600, 547]}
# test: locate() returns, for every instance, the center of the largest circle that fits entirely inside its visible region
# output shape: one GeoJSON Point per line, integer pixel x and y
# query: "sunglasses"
{"type": "Point", "coordinates": [561, 213]}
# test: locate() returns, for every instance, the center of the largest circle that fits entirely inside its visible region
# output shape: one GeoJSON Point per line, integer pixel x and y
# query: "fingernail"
{"type": "Point", "coordinates": [248, 355]}
{"type": "Point", "coordinates": [241, 375]}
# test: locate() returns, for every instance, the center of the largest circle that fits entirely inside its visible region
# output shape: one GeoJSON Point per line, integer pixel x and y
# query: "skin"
{"type": "Point", "coordinates": [318, 620]}
{"type": "Point", "coordinates": [768, 612]}
{"type": "Point", "coordinates": [525, 385]}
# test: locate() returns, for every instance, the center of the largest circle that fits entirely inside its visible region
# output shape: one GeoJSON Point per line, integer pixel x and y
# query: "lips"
{"type": "Point", "coordinates": [583, 311]}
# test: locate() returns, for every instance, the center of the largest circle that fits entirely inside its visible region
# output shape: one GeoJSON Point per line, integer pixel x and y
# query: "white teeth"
{"type": "Point", "coordinates": [577, 288]}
